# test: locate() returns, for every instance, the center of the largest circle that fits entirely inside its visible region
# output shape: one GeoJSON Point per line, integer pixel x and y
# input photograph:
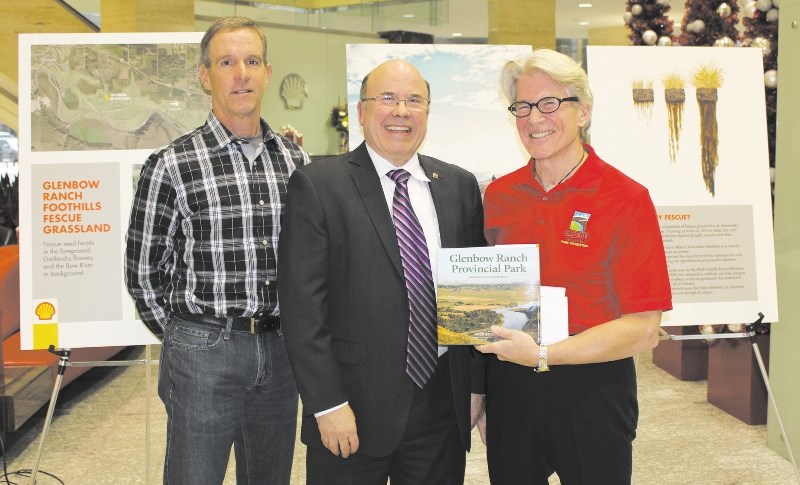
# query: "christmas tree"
{"type": "Point", "coordinates": [761, 30]}
{"type": "Point", "coordinates": [648, 22]}
{"type": "Point", "coordinates": [710, 23]}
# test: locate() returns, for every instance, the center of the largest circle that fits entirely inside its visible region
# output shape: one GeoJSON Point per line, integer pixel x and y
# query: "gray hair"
{"type": "Point", "coordinates": [558, 67]}
{"type": "Point", "coordinates": [229, 23]}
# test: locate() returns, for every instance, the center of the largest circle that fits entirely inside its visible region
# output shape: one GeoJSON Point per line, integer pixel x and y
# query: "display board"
{"type": "Point", "coordinates": [93, 107]}
{"type": "Point", "coordinates": [689, 123]}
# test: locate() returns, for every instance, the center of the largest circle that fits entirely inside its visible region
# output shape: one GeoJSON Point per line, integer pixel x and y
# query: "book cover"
{"type": "Point", "coordinates": [485, 286]}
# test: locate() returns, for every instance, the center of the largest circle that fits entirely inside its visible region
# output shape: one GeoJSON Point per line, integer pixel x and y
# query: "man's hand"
{"type": "Point", "coordinates": [338, 431]}
{"type": "Point", "coordinates": [516, 346]}
{"type": "Point", "coordinates": [478, 415]}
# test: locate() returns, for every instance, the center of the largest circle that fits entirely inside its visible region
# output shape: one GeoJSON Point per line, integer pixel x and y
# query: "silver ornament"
{"type": "Point", "coordinates": [776, 3]}
{"type": "Point", "coordinates": [764, 44]}
{"type": "Point", "coordinates": [772, 15]}
{"type": "Point", "coordinates": [664, 41]}
{"type": "Point", "coordinates": [749, 10]}
{"type": "Point", "coordinates": [699, 26]}
{"type": "Point", "coordinates": [627, 17]}
{"type": "Point", "coordinates": [649, 37]}
{"type": "Point", "coordinates": [636, 9]}
{"type": "Point", "coordinates": [771, 79]}
{"type": "Point", "coordinates": [724, 10]}
{"type": "Point", "coordinates": [724, 42]}
{"type": "Point", "coordinates": [764, 5]}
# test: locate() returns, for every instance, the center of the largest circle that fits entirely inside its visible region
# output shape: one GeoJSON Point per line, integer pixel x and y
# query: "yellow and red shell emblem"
{"type": "Point", "coordinates": [45, 310]}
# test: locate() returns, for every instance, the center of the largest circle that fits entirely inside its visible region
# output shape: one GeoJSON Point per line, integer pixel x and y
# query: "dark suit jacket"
{"type": "Point", "coordinates": [343, 300]}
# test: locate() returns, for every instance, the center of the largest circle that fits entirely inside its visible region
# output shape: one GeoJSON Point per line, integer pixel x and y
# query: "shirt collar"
{"type": "Point", "coordinates": [224, 137]}
{"type": "Point", "coordinates": [587, 177]}
{"type": "Point", "coordinates": [383, 166]}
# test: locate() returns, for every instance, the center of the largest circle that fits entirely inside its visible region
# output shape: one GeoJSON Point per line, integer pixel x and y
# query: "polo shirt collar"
{"type": "Point", "coordinates": [587, 177]}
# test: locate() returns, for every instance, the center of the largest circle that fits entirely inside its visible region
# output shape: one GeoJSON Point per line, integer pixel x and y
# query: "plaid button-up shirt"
{"type": "Point", "coordinates": [204, 226]}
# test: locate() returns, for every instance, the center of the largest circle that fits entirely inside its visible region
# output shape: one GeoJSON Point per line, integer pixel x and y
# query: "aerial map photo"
{"type": "Point", "coordinates": [114, 96]}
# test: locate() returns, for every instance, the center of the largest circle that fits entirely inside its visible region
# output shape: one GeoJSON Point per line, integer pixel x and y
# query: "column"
{"type": "Point", "coordinates": [523, 22]}
{"type": "Point", "coordinates": [147, 16]}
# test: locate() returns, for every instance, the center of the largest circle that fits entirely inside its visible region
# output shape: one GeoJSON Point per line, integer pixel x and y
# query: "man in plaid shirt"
{"type": "Point", "coordinates": [201, 264]}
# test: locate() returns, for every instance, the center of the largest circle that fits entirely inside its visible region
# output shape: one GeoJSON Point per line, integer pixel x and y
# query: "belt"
{"type": "Point", "coordinates": [265, 324]}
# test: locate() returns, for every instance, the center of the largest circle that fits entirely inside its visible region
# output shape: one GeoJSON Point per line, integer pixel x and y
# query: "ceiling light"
{"type": "Point", "coordinates": [456, 34]}
{"type": "Point", "coordinates": [583, 23]}
{"type": "Point", "coordinates": [584, 5]}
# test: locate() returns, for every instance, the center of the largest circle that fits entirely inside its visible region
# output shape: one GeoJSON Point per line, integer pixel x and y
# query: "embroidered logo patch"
{"type": "Point", "coordinates": [576, 235]}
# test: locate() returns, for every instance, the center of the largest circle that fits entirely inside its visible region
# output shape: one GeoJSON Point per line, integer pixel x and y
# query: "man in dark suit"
{"type": "Point", "coordinates": [350, 298]}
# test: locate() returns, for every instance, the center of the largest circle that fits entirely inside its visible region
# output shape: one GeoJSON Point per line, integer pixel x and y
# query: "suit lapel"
{"type": "Point", "coordinates": [443, 194]}
{"type": "Point", "coordinates": [369, 188]}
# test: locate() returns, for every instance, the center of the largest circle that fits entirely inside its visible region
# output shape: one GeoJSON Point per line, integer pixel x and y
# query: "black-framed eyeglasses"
{"type": "Point", "coordinates": [550, 104]}
{"type": "Point", "coordinates": [413, 103]}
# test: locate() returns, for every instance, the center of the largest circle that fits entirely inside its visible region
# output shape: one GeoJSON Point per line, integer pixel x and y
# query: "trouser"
{"type": "Point", "coordinates": [223, 388]}
{"type": "Point", "coordinates": [576, 420]}
{"type": "Point", "coordinates": [430, 453]}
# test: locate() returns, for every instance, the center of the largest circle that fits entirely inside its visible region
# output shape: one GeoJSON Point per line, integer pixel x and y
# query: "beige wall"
{"type": "Point", "coordinates": [615, 36]}
{"type": "Point", "coordinates": [319, 58]}
{"type": "Point", "coordinates": [147, 15]}
{"type": "Point", "coordinates": [784, 366]}
{"type": "Point", "coordinates": [523, 22]}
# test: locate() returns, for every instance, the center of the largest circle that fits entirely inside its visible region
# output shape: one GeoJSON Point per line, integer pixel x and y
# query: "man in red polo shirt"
{"type": "Point", "coordinates": [599, 238]}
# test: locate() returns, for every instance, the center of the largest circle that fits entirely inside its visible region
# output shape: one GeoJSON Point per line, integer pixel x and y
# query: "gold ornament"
{"type": "Point", "coordinates": [764, 44]}
{"type": "Point", "coordinates": [724, 42]}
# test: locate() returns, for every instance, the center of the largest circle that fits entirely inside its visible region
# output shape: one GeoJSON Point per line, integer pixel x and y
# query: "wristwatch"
{"type": "Point", "coordinates": [542, 367]}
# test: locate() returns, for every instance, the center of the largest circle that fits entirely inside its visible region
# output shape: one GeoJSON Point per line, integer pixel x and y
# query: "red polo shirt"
{"type": "Point", "coordinates": [598, 237]}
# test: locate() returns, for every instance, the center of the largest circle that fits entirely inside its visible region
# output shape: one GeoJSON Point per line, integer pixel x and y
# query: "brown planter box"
{"type": "Point", "coordinates": [685, 359]}
{"type": "Point", "coordinates": [735, 384]}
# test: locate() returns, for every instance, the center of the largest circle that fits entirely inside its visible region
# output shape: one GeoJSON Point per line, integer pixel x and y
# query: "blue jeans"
{"type": "Point", "coordinates": [222, 388]}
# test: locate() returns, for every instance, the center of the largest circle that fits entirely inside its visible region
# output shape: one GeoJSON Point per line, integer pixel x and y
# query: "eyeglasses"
{"type": "Point", "coordinates": [550, 104]}
{"type": "Point", "coordinates": [390, 101]}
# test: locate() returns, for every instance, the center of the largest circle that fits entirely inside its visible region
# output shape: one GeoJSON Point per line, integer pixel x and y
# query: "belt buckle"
{"type": "Point", "coordinates": [252, 325]}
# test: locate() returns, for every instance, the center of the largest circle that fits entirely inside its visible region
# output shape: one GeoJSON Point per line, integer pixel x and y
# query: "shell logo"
{"type": "Point", "coordinates": [45, 310]}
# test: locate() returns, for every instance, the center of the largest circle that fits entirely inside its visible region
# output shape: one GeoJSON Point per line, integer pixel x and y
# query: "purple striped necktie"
{"type": "Point", "coordinates": [421, 351]}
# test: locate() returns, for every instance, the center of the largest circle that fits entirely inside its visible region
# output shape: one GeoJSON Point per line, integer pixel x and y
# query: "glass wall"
{"type": "Point", "coordinates": [9, 148]}
{"type": "Point", "coordinates": [367, 17]}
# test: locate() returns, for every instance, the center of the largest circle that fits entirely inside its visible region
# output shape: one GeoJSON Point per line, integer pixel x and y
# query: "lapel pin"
{"type": "Point", "coordinates": [435, 175]}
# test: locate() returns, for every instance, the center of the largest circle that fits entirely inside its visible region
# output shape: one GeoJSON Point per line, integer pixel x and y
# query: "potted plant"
{"type": "Point", "coordinates": [341, 124]}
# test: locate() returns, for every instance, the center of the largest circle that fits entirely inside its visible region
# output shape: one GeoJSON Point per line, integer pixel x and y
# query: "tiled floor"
{"type": "Point", "coordinates": [101, 434]}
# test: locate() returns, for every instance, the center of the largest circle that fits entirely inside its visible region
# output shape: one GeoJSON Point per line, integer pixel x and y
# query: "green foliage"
{"type": "Point", "coordinates": [474, 319]}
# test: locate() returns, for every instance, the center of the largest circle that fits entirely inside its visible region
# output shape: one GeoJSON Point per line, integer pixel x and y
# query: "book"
{"type": "Point", "coordinates": [478, 287]}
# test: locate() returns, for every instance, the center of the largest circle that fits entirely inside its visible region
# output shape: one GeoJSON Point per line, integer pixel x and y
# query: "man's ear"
{"type": "Point", "coordinates": [202, 73]}
{"type": "Point", "coordinates": [268, 77]}
{"type": "Point", "coordinates": [583, 115]}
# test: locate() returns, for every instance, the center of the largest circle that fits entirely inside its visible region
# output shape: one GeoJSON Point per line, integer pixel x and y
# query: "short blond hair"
{"type": "Point", "coordinates": [557, 66]}
{"type": "Point", "coordinates": [230, 23]}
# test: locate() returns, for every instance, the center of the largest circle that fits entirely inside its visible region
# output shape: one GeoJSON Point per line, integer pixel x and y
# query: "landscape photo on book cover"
{"type": "Point", "coordinates": [481, 287]}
